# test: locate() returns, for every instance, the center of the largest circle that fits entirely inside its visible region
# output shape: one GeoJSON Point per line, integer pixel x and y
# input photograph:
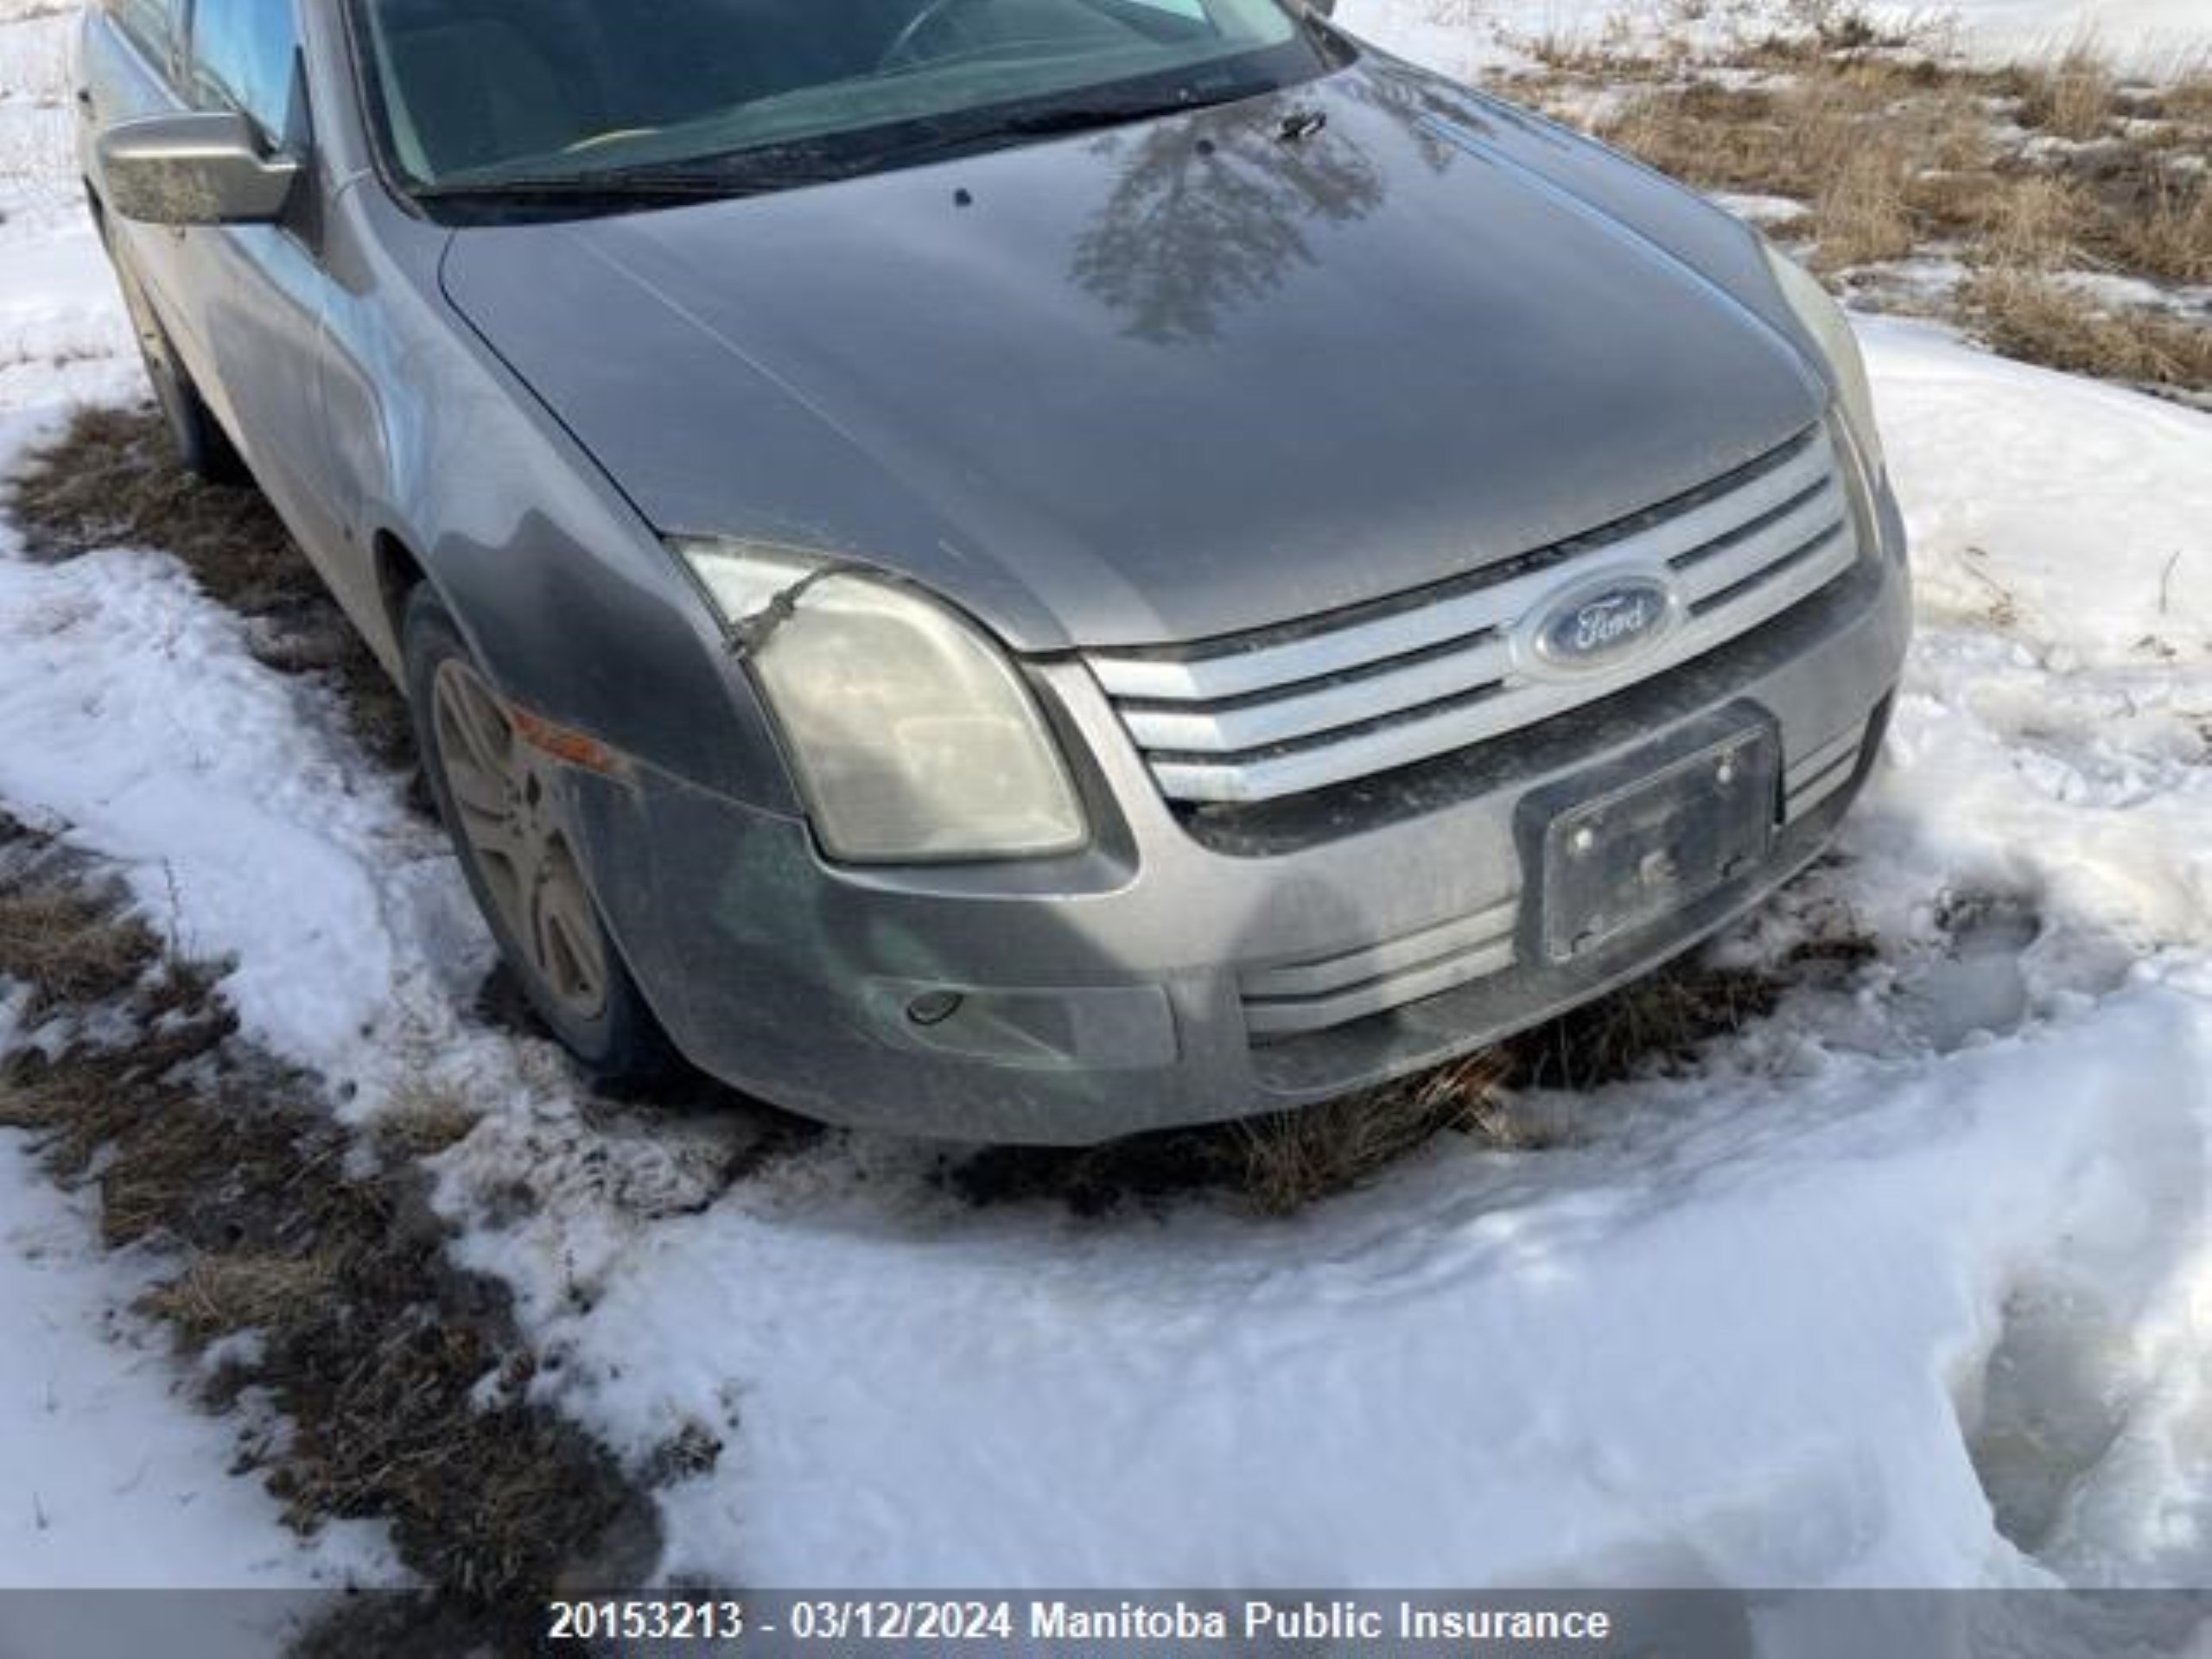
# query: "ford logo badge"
{"type": "Point", "coordinates": [1602, 624]}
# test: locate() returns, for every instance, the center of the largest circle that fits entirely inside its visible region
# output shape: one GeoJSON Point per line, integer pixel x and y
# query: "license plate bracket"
{"type": "Point", "coordinates": [1616, 861]}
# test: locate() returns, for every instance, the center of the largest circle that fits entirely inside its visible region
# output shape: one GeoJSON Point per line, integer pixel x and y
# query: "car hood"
{"type": "Point", "coordinates": [1171, 380]}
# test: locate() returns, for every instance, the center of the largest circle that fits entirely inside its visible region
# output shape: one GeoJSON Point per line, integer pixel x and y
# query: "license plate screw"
{"type": "Point", "coordinates": [1583, 842]}
{"type": "Point", "coordinates": [1727, 772]}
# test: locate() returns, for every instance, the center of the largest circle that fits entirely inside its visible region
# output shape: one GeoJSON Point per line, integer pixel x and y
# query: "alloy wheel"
{"type": "Point", "coordinates": [504, 798]}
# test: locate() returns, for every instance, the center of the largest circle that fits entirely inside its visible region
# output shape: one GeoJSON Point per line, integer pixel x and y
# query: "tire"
{"type": "Point", "coordinates": [203, 448]}
{"type": "Point", "coordinates": [502, 804]}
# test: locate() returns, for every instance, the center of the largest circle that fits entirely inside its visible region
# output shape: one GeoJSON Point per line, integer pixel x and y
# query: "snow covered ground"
{"type": "Point", "coordinates": [108, 1476]}
{"type": "Point", "coordinates": [1919, 1254]}
{"type": "Point", "coordinates": [107, 1472]}
{"type": "Point", "coordinates": [1460, 36]}
{"type": "Point", "coordinates": [110, 1479]}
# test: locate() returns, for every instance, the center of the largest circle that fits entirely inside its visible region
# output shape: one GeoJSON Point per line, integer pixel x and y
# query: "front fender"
{"type": "Point", "coordinates": [572, 605]}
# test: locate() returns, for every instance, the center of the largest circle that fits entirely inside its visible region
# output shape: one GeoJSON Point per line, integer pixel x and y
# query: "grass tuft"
{"type": "Point", "coordinates": [1660, 1023]}
{"type": "Point", "coordinates": [1285, 1162]}
{"type": "Point", "coordinates": [2074, 96]}
{"type": "Point", "coordinates": [2167, 236]}
{"type": "Point", "coordinates": [421, 1122]}
{"type": "Point", "coordinates": [2034, 222]}
{"type": "Point", "coordinates": [1508, 1099]}
{"type": "Point", "coordinates": [70, 945]}
{"type": "Point", "coordinates": [1274, 1165]}
{"type": "Point", "coordinates": [2033, 317]}
{"type": "Point", "coordinates": [223, 1294]}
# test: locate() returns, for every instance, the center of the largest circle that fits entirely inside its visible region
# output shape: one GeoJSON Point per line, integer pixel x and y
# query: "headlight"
{"type": "Point", "coordinates": [912, 736]}
{"type": "Point", "coordinates": [1825, 320]}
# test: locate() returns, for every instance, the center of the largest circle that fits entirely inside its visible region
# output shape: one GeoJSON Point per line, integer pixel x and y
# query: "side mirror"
{"type": "Point", "coordinates": [200, 168]}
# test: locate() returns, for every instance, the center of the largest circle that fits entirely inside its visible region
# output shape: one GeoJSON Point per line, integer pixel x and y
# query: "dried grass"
{"type": "Point", "coordinates": [1276, 1163]}
{"type": "Point", "coordinates": [1897, 157]}
{"type": "Point", "coordinates": [372, 1346]}
{"type": "Point", "coordinates": [69, 946]}
{"type": "Point", "coordinates": [221, 1294]}
{"type": "Point", "coordinates": [1865, 145]}
{"type": "Point", "coordinates": [1499, 1098]}
{"type": "Point", "coordinates": [1862, 214]}
{"type": "Point", "coordinates": [1659, 1023]}
{"type": "Point", "coordinates": [2075, 96]}
{"type": "Point", "coordinates": [2031, 316]}
{"type": "Point", "coordinates": [1292, 1160]}
{"type": "Point", "coordinates": [421, 1122]}
{"type": "Point", "coordinates": [2167, 233]}
{"type": "Point", "coordinates": [110, 479]}
{"type": "Point", "coordinates": [2185, 90]}
{"type": "Point", "coordinates": [2032, 222]}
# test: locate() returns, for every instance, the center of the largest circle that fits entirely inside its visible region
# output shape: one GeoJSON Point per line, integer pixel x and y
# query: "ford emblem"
{"type": "Point", "coordinates": [1602, 624]}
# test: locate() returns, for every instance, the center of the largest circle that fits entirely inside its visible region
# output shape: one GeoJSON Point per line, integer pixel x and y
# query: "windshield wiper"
{"type": "Point", "coordinates": [783, 166]}
{"type": "Point", "coordinates": [670, 185]}
{"type": "Point", "coordinates": [1082, 117]}
{"type": "Point", "coordinates": [754, 172]}
{"type": "Point", "coordinates": [775, 167]}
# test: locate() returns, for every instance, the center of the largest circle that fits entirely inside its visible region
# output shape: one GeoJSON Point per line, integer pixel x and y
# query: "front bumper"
{"type": "Point", "coordinates": [1181, 972]}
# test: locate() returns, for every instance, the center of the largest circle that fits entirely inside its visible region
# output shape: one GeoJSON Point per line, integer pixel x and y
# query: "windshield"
{"type": "Point", "coordinates": [472, 94]}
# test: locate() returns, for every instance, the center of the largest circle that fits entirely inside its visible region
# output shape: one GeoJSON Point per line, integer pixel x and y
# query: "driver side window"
{"type": "Point", "coordinates": [246, 56]}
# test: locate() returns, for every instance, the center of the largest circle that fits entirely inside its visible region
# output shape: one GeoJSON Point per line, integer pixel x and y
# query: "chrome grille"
{"type": "Point", "coordinates": [1282, 710]}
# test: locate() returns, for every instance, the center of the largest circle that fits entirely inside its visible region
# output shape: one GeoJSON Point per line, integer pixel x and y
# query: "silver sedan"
{"type": "Point", "coordinates": [1025, 569]}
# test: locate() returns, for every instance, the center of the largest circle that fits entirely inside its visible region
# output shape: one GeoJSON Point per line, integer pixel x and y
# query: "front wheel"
{"type": "Point", "coordinates": [503, 802]}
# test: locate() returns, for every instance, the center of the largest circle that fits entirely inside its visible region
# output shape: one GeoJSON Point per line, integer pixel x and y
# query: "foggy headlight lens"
{"type": "Point", "coordinates": [1824, 320]}
{"type": "Point", "coordinates": [912, 736]}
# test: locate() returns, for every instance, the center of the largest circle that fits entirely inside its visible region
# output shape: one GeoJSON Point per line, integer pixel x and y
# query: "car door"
{"type": "Point", "coordinates": [256, 294]}
{"type": "Point", "coordinates": [127, 69]}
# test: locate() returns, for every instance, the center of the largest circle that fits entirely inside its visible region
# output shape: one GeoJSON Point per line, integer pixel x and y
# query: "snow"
{"type": "Point", "coordinates": [1765, 212]}
{"type": "Point", "coordinates": [218, 784]}
{"type": "Point", "coordinates": [1484, 1371]}
{"type": "Point", "coordinates": [1925, 1250]}
{"type": "Point", "coordinates": [109, 1476]}
{"type": "Point", "coordinates": [2063, 547]}
{"type": "Point", "coordinates": [1463, 37]}
{"type": "Point", "coordinates": [100, 1451]}
{"type": "Point", "coordinates": [2144, 32]}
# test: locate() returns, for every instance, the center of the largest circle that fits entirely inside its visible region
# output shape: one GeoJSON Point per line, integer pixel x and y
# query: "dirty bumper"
{"type": "Point", "coordinates": [1188, 968]}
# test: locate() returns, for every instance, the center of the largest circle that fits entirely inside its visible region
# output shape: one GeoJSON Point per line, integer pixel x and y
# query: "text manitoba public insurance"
{"type": "Point", "coordinates": [1313, 1621]}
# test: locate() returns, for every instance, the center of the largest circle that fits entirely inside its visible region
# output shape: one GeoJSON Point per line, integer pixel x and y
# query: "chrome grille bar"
{"type": "Point", "coordinates": [1342, 696]}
